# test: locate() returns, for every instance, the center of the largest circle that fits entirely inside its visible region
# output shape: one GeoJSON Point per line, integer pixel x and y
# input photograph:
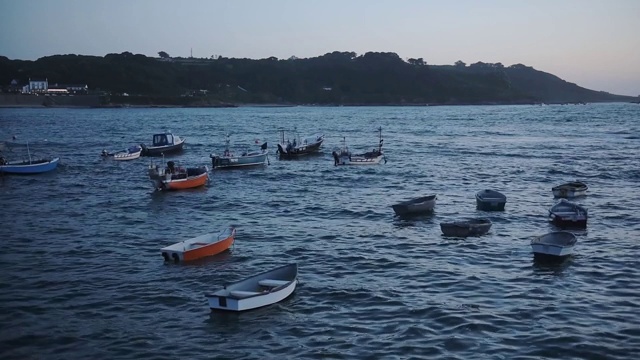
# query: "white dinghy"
{"type": "Point", "coordinates": [256, 291]}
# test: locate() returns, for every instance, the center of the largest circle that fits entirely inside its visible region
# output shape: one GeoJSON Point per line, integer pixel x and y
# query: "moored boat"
{"type": "Point", "coordinates": [31, 166]}
{"type": "Point", "coordinates": [465, 228]}
{"type": "Point", "coordinates": [299, 146]}
{"type": "Point", "coordinates": [177, 178]}
{"type": "Point", "coordinates": [570, 190]}
{"type": "Point", "coordinates": [131, 153]}
{"type": "Point", "coordinates": [490, 200]}
{"type": "Point", "coordinates": [230, 160]}
{"type": "Point", "coordinates": [200, 246]}
{"type": "Point", "coordinates": [555, 245]}
{"type": "Point", "coordinates": [566, 214]}
{"type": "Point", "coordinates": [345, 157]}
{"type": "Point", "coordinates": [256, 291]}
{"type": "Point", "coordinates": [163, 144]}
{"type": "Point", "coordinates": [421, 205]}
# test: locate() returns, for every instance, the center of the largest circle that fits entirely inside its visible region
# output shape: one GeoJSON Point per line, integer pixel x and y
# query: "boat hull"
{"type": "Point", "coordinates": [193, 178]}
{"type": "Point", "coordinates": [465, 228]}
{"type": "Point", "coordinates": [359, 160]}
{"type": "Point", "coordinates": [570, 190]}
{"type": "Point", "coordinates": [256, 291]}
{"type": "Point", "coordinates": [162, 150]}
{"type": "Point", "coordinates": [199, 247]}
{"type": "Point", "coordinates": [489, 200]}
{"type": "Point", "coordinates": [223, 162]}
{"type": "Point", "coordinates": [553, 246]}
{"type": "Point", "coordinates": [283, 153]}
{"type": "Point", "coordinates": [25, 168]}
{"type": "Point", "coordinates": [127, 156]}
{"type": "Point", "coordinates": [421, 205]}
{"type": "Point", "coordinates": [566, 214]}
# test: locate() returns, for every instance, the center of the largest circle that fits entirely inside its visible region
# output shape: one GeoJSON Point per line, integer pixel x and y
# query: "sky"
{"type": "Point", "coordinates": [593, 43]}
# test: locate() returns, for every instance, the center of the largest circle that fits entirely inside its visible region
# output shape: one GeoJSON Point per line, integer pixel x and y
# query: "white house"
{"type": "Point", "coordinates": [38, 85]}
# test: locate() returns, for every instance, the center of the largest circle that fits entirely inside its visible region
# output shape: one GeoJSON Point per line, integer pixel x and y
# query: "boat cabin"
{"type": "Point", "coordinates": [163, 139]}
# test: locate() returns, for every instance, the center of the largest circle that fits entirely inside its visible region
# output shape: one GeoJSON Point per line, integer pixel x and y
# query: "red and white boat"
{"type": "Point", "coordinates": [200, 246]}
{"type": "Point", "coordinates": [177, 178]}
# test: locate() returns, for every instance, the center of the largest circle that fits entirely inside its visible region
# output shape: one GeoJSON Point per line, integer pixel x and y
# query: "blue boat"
{"type": "Point", "coordinates": [28, 166]}
{"type": "Point", "coordinates": [229, 160]}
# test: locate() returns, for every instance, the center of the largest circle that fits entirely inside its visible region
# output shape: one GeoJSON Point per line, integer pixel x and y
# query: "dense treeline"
{"type": "Point", "coordinates": [334, 78]}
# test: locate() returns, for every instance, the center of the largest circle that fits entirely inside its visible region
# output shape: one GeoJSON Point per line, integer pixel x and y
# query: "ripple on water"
{"type": "Point", "coordinates": [83, 276]}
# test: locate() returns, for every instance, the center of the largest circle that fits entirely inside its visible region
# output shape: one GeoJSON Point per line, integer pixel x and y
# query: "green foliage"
{"type": "Point", "coordinates": [333, 78]}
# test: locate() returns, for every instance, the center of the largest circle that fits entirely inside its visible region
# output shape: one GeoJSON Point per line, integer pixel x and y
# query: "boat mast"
{"type": "Point", "coordinates": [29, 153]}
{"type": "Point", "coordinates": [380, 144]}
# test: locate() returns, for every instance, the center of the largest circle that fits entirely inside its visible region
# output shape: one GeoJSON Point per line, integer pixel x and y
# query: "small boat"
{"type": "Point", "coordinates": [465, 228]}
{"type": "Point", "coordinates": [490, 200]}
{"type": "Point", "coordinates": [421, 205]}
{"type": "Point", "coordinates": [163, 144]}
{"type": "Point", "coordinates": [31, 166]}
{"type": "Point", "coordinates": [299, 147]}
{"type": "Point", "coordinates": [131, 153]}
{"type": "Point", "coordinates": [200, 246]}
{"type": "Point", "coordinates": [256, 291]}
{"type": "Point", "coordinates": [553, 246]}
{"type": "Point", "coordinates": [345, 157]}
{"type": "Point", "coordinates": [570, 190]}
{"type": "Point", "coordinates": [566, 214]}
{"type": "Point", "coordinates": [229, 160]}
{"type": "Point", "coordinates": [177, 178]}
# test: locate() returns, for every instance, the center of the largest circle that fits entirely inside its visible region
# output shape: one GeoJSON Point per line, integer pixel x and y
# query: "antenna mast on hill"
{"type": "Point", "coordinates": [191, 52]}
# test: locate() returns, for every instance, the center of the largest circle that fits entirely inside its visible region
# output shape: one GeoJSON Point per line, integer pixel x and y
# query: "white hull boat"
{"type": "Point", "coordinates": [557, 244]}
{"type": "Point", "coordinates": [256, 291]}
{"type": "Point", "coordinates": [570, 190]}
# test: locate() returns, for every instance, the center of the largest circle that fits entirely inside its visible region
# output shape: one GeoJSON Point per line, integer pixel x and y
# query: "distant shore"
{"type": "Point", "coordinates": [96, 101]}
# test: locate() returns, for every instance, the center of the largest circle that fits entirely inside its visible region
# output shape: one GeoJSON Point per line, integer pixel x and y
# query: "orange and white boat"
{"type": "Point", "coordinates": [177, 178]}
{"type": "Point", "coordinates": [200, 246]}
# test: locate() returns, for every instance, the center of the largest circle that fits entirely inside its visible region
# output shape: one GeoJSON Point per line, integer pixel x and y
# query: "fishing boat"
{"type": "Point", "coordinates": [256, 291]}
{"type": "Point", "coordinates": [131, 153]}
{"type": "Point", "coordinates": [421, 205]}
{"type": "Point", "coordinates": [200, 246]}
{"type": "Point", "coordinates": [299, 147]}
{"type": "Point", "coordinates": [230, 160]}
{"type": "Point", "coordinates": [566, 214]}
{"type": "Point", "coordinates": [555, 245]}
{"type": "Point", "coordinates": [163, 144]}
{"type": "Point", "coordinates": [28, 166]}
{"type": "Point", "coordinates": [490, 200]}
{"type": "Point", "coordinates": [465, 228]}
{"type": "Point", "coordinates": [345, 157]}
{"type": "Point", "coordinates": [570, 190]}
{"type": "Point", "coordinates": [31, 166]}
{"type": "Point", "coordinates": [177, 178]}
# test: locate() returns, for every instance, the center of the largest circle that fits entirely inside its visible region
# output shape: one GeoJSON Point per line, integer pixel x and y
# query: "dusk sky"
{"type": "Point", "coordinates": [593, 43]}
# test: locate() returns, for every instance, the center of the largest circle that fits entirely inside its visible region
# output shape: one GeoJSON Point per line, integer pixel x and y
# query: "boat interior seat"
{"type": "Point", "coordinates": [240, 294]}
{"type": "Point", "coordinates": [272, 283]}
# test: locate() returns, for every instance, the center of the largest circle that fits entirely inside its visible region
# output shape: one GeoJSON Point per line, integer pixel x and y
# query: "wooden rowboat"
{"type": "Point", "coordinates": [256, 291]}
{"type": "Point", "coordinates": [464, 228]}
{"type": "Point", "coordinates": [421, 205]}
{"type": "Point", "coordinates": [200, 246]}
{"type": "Point", "coordinates": [570, 190]}
{"type": "Point", "coordinates": [554, 245]}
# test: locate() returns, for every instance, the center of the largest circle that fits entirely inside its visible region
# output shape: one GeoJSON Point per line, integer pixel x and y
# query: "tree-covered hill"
{"type": "Point", "coordinates": [375, 78]}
